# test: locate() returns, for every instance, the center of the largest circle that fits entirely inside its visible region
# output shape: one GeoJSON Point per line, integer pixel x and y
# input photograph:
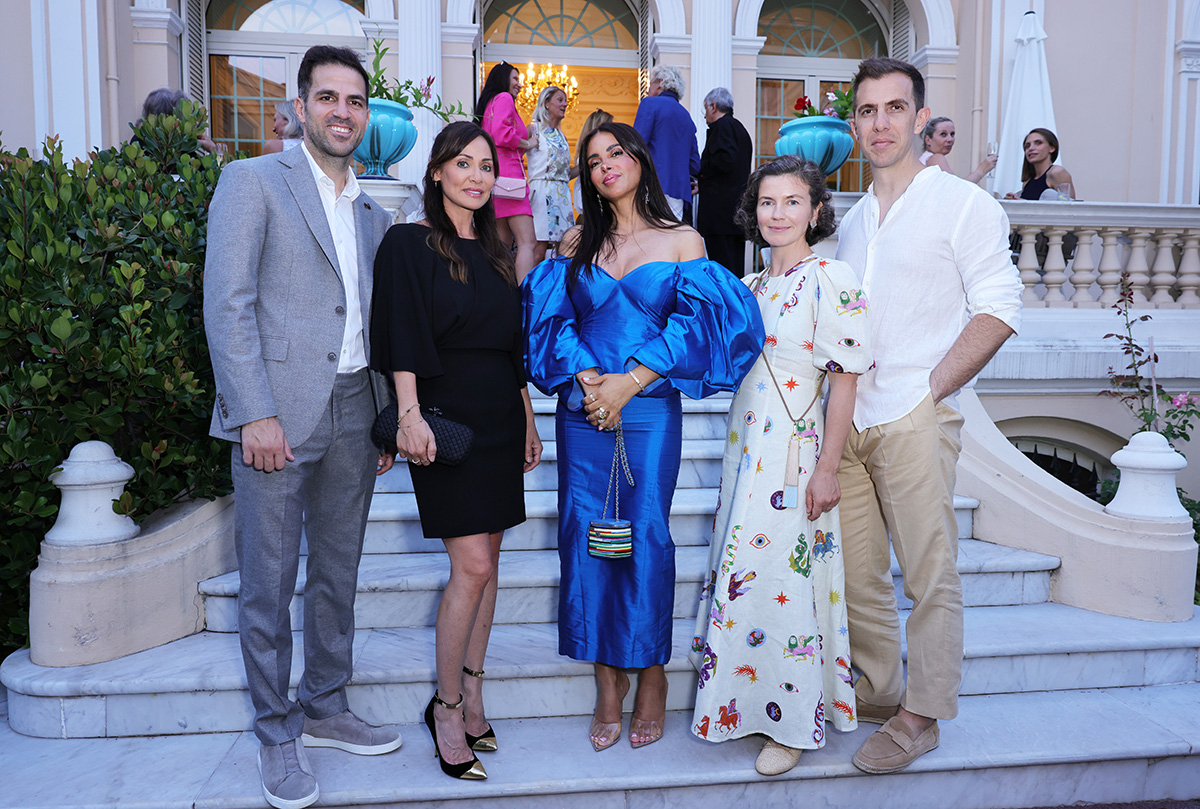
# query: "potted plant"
{"type": "Point", "coordinates": [819, 135]}
{"type": "Point", "coordinates": [390, 132]}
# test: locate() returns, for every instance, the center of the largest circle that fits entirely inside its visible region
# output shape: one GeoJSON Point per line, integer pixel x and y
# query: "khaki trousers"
{"type": "Point", "coordinates": [898, 478]}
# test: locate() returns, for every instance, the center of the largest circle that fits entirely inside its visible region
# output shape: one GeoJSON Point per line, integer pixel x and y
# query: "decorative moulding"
{"type": "Point", "coordinates": [468, 33]}
{"type": "Point", "coordinates": [157, 18]}
{"type": "Point", "coordinates": [381, 28]}
{"type": "Point", "coordinates": [935, 55]}
{"type": "Point", "coordinates": [670, 43]}
{"type": "Point", "coordinates": [748, 46]}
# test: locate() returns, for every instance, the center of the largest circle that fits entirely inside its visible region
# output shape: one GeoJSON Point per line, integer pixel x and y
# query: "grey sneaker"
{"type": "Point", "coordinates": [287, 778]}
{"type": "Point", "coordinates": [345, 731]}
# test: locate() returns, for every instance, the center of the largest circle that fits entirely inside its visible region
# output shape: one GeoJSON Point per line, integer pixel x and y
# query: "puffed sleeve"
{"type": "Point", "coordinates": [712, 338]}
{"type": "Point", "coordinates": [402, 305]}
{"type": "Point", "coordinates": [554, 352]}
{"type": "Point", "coordinates": [502, 121]}
{"type": "Point", "coordinates": [842, 340]}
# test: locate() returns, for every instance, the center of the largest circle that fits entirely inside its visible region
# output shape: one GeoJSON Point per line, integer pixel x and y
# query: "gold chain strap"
{"type": "Point", "coordinates": [612, 490]}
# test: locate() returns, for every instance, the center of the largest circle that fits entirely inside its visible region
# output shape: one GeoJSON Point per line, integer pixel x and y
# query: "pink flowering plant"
{"type": "Point", "coordinates": [409, 93]}
{"type": "Point", "coordinates": [838, 104]}
{"type": "Point", "coordinates": [1149, 402]}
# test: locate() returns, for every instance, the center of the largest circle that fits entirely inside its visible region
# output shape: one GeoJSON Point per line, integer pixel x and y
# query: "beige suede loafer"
{"type": "Point", "coordinates": [891, 749]}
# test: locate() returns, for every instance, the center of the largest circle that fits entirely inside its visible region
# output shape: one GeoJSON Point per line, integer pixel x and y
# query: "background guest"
{"type": "Point", "coordinates": [669, 132]}
{"type": "Point", "coordinates": [287, 128]}
{"type": "Point", "coordinates": [497, 114]}
{"type": "Point", "coordinates": [446, 326]}
{"type": "Point", "coordinates": [550, 171]}
{"type": "Point", "coordinates": [591, 122]}
{"type": "Point", "coordinates": [165, 101]}
{"type": "Point", "coordinates": [724, 167]}
{"type": "Point", "coordinates": [938, 137]}
{"type": "Point", "coordinates": [618, 356]}
{"type": "Point", "coordinates": [1038, 172]}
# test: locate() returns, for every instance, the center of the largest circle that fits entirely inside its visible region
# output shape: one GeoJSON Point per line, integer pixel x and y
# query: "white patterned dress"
{"type": "Point", "coordinates": [549, 192]}
{"type": "Point", "coordinates": [771, 642]}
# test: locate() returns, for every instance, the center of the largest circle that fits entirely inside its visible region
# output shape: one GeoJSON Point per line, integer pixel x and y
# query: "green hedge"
{"type": "Point", "coordinates": [101, 266]}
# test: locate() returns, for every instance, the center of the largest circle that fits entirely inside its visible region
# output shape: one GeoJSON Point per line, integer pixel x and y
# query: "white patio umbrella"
{"type": "Point", "coordinates": [1027, 103]}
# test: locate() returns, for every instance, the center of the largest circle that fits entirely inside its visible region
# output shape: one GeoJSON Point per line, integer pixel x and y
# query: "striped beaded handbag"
{"type": "Point", "coordinates": [613, 539]}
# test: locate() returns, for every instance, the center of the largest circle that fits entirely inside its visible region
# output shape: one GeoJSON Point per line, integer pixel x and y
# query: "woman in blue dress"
{"type": "Point", "coordinates": [628, 318]}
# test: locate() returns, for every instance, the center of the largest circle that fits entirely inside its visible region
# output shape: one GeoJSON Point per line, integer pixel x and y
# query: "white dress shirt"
{"type": "Point", "coordinates": [339, 212]}
{"type": "Point", "coordinates": [939, 258]}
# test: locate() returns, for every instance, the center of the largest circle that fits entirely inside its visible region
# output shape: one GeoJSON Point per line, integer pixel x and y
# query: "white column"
{"type": "Point", "coordinates": [68, 101]}
{"type": "Point", "coordinates": [420, 56]}
{"type": "Point", "coordinates": [712, 56]}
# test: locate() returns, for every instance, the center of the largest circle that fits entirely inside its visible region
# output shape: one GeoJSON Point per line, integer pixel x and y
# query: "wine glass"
{"type": "Point", "coordinates": [993, 151]}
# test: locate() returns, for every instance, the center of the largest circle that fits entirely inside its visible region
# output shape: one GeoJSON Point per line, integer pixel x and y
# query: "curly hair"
{"type": "Point", "coordinates": [806, 172]}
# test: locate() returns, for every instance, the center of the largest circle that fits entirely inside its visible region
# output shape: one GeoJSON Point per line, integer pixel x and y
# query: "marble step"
{"type": "Point", "coordinates": [1003, 751]}
{"type": "Point", "coordinates": [394, 524]}
{"type": "Point", "coordinates": [700, 468]}
{"type": "Point", "coordinates": [397, 590]}
{"type": "Point", "coordinates": [197, 684]}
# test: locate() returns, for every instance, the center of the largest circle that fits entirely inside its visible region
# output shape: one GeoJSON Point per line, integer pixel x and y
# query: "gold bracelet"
{"type": "Point", "coordinates": [400, 420]}
{"type": "Point", "coordinates": [638, 381]}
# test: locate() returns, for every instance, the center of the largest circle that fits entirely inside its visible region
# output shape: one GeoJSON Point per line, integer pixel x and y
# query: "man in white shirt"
{"type": "Point", "coordinates": [287, 312]}
{"type": "Point", "coordinates": [932, 253]}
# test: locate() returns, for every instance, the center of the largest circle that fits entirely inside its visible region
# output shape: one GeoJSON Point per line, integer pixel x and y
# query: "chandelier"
{"type": "Point", "coordinates": [534, 81]}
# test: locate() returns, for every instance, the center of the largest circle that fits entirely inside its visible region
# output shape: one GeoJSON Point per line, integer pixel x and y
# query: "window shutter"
{"type": "Point", "coordinates": [902, 31]}
{"type": "Point", "coordinates": [645, 30]}
{"type": "Point", "coordinates": [194, 73]}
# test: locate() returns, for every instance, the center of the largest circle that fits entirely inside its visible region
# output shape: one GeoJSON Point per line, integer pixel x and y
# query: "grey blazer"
{"type": "Point", "coordinates": [274, 303]}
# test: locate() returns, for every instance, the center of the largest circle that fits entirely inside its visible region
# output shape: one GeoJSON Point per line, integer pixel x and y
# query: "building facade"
{"type": "Point", "coordinates": [1125, 76]}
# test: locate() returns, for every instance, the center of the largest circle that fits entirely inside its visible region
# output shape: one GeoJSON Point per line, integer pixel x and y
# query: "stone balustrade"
{"type": "Point", "coordinates": [1158, 245]}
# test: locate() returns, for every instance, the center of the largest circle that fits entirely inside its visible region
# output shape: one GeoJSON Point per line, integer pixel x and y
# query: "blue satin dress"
{"type": "Point", "coordinates": [697, 326]}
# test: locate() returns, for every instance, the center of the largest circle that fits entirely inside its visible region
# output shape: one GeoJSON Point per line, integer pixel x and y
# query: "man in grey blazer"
{"type": "Point", "coordinates": [287, 306]}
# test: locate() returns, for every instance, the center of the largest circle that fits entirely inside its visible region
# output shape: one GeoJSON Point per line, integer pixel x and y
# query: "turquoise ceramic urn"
{"type": "Point", "coordinates": [390, 136]}
{"type": "Point", "coordinates": [823, 139]}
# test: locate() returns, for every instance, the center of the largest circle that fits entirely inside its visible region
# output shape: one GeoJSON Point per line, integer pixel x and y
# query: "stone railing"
{"type": "Point", "coordinates": [1158, 245]}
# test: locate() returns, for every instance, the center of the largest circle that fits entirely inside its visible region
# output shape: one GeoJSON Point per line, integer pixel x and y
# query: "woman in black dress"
{"type": "Point", "coordinates": [446, 326]}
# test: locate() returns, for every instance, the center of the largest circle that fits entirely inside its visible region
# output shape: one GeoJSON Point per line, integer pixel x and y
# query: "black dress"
{"type": "Point", "coordinates": [464, 343]}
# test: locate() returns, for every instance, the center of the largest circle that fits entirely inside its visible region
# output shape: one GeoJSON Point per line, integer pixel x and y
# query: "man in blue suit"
{"type": "Point", "coordinates": [671, 135]}
{"type": "Point", "coordinates": [287, 310]}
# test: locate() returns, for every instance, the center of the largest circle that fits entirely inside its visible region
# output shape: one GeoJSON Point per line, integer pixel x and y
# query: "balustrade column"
{"type": "Point", "coordinates": [1189, 269]}
{"type": "Point", "coordinates": [1162, 276]}
{"type": "Point", "coordinates": [1055, 270]}
{"type": "Point", "coordinates": [1109, 278]}
{"type": "Point", "coordinates": [1027, 265]}
{"type": "Point", "coordinates": [1083, 272]}
{"type": "Point", "coordinates": [1138, 269]}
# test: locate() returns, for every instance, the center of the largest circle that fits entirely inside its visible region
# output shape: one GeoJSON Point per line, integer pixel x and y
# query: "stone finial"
{"type": "Point", "coordinates": [1147, 489]}
{"type": "Point", "coordinates": [90, 479]}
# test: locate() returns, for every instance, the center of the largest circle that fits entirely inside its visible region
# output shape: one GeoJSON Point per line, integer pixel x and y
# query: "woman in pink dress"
{"type": "Point", "coordinates": [497, 114]}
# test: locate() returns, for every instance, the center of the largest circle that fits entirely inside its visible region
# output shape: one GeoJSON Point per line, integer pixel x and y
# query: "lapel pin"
{"type": "Point", "coordinates": [367, 205]}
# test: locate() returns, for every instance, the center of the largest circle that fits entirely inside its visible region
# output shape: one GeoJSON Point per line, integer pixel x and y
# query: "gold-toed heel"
{"type": "Point", "coordinates": [486, 741]}
{"type": "Point", "coordinates": [468, 770]}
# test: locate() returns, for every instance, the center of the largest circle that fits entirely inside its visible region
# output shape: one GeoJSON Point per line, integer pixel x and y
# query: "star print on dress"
{"type": "Point", "coordinates": [761, 386]}
{"type": "Point", "coordinates": [790, 384]}
{"type": "Point", "coordinates": [782, 599]}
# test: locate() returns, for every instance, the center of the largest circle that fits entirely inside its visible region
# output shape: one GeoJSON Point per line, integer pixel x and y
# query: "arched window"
{"type": "Point", "coordinates": [314, 17]}
{"type": "Point", "coordinates": [813, 47]}
{"type": "Point", "coordinates": [562, 23]}
{"type": "Point", "coordinates": [840, 29]}
{"type": "Point", "coordinates": [254, 48]}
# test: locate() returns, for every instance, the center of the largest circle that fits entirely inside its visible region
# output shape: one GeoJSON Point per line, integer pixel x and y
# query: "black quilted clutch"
{"type": "Point", "coordinates": [453, 439]}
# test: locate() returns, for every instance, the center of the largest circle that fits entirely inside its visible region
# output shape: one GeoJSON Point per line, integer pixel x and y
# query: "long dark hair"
{"type": "Point", "coordinates": [807, 172]}
{"type": "Point", "coordinates": [448, 145]}
{"type": "Point", "coordinates": [599, 221]}
{"type": "Point", "coordinates": [497, 82]}
{"type": "Point", "coordinates": [1027, 169]}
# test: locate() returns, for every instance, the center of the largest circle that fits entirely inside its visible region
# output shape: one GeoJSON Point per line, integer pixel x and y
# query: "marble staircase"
{"type": "Point", "coordinates": [1060, 704]}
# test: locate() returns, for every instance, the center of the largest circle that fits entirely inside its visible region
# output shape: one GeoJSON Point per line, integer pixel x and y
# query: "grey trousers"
{"type": "Point", "coordinates": [327, 489]}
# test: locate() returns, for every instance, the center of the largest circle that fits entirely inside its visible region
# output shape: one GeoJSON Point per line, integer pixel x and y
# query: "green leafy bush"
{"type": "Point", "coordinates": [101, 265]}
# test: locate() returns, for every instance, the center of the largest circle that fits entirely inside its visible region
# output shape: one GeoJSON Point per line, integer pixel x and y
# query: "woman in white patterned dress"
{"type": "Point", "coordinates": [550, 172]}
{"type": "Point", "coordinates": [771, 641]}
